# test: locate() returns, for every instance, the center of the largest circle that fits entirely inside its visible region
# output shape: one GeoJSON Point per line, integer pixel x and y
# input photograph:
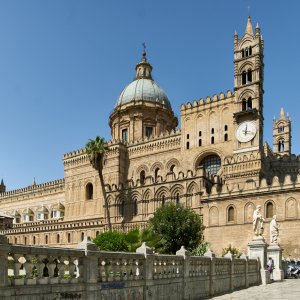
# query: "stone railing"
{"type": "Point", "coordinates": [86, 273]}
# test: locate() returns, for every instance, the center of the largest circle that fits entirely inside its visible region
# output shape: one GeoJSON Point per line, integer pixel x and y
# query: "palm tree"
{"type": "Point", "coordinates": [96, 149]}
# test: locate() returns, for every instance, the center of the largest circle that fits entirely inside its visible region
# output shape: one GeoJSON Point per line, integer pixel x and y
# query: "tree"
{"type": "Point", "coordinates": [111, 241]}
{"type": "Point", "coordinates": [96, 149]}
{"type": "Point", "coordinates": [178, 226]}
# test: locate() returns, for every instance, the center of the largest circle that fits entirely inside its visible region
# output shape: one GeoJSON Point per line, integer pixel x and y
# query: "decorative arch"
{"type": "Point", "coordinates": [157, 165]}
{"type": "Point", "coordinates": [172, 162]}
{"type": "Point", "coordinates": [245, 66]}
{"type": "Point", "coordinates": [291, 208]}
{"type": "Point", "coordinates": [192, 192]}
{"type": "Point", "coordinates": [175, 189]}
{"type": "Point", "coordinates": [89, 191]}
{"type": "Point", "coordinates": [205, 153]}
{"type": "Point", "coordinates": [148, 195]}
{"type": "Point", "coordinates": [142, 168]}
{"type": "Point", "coordinates": [214, 216]}
{"type": "Point", "coordinates": [249, 209]}
{"type": "Point", "coordinates": [160, 192]}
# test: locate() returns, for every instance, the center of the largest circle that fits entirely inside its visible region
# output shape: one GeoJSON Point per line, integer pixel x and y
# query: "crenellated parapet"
{"type": "Point", "coordinates": [55, 185]}
{"type": "Point", "coordinates": [207, 103]}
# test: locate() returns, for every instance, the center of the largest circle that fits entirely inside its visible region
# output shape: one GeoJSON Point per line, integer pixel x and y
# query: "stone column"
{"type": "Point", "coordinates": [186, 270]}
{"type": "Point", "coordinates": [257, 248]}
{"type": "Point", "coordinates": [275, 252]}
{"type": "Point", "coordinates": [4, 249]}
{"type": "Point", "coordinates": [212, 277]}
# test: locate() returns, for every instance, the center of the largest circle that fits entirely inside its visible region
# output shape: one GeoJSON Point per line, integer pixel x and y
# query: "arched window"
{"type": "Point", "coordinates": [249, 76]}
{"type": "Point", "coordinates": [123, 209]}
{"type": "Point", "coordinates": [200, 133]}
{"type": "Point", "coordinates": [230, 215]}
{"type": "Point", "coordinates": [172, 168]}
{"type": "Point", "coordinates": [212, 140]}
{"type": "Point", "coordinates": [34, 240]}
{"type": "Point", "coordinates": [177, 198]}
{"type": "Point", "coordinates": [135, 208]}
{"type": "Point", "coordinates": [156, 173]}
{"type": "Point", "coordinates": [269, 210]}
{"type": "Point", "coordinates": [225, 137]}
{"type": "Point", "coordinates": [250, 50]}
{"type": "Point", "coordinates": [211, 164]}
{"type": "Point", "coordinates": [163, 200]}
{"type": "Point", "coordinates": [97, 232]}
{"type": "Point", "coordinates": [281, 146]}
{"type": "Point", "coordinates": [243, 53]}
{"type": "Point", "coordinates": [244, 105]}
{"type": "Point", "coordinates": [58, 239]}
{"type": "Point", "coordinates": [69, 237]}
{"type": "Point", "coordinates": [46, 239]}
{"type": "Point", "coordinates": [82, 236]}
{"type": "Point", "coordinates": [16, 240]}
{"type": "Point", "coordinates": [246, 52]}
{"type": "Point", "coordinates": [89, 190]}
{"type": "Point", "coordinates": [187, 145]}
{"type": "Point", "coordinates": [244, 77]}
{"type": "Point", "coordinates": [200, 142]}
{"type": "Point", "coordinates": [142, 177]}
{"type": "Point", "coordinates": [25, 240]}
{"type": "Point", "coordinates": [249, 103]}
{"type": "Point", "coordinates": [212, 130]}
{"type": "Point", "coordinates": [225, 128]}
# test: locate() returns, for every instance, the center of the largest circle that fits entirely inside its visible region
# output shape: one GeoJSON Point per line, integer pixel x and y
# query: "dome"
{"type": "Point", "coordinates": [144, 89]}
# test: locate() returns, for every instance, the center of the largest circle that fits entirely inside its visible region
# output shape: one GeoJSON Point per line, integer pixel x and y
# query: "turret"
{"type": "Point", "coordinates": [2, 186]}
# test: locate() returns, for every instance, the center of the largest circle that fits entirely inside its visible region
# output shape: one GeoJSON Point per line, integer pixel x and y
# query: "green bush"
{"type": "Point", "coordinates": [111, 241]}
{"type": "Point", "coordinates": [201, 249]}
{"type": "Point", "coordinates": [234, 251]}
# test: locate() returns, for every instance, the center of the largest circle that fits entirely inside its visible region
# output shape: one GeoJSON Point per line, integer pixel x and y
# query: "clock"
{"type": "Point", "coordinates": [246, 131]}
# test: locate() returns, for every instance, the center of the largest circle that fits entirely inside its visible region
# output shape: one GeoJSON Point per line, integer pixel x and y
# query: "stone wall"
{"type": "Point", "coordinates": [28, 272]}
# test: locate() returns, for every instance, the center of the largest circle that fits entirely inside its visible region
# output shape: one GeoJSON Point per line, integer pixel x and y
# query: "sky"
{"type": "Point", "coordinates": [64, 63]}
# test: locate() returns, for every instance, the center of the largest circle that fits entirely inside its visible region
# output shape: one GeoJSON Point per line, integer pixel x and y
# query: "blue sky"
{"type": "Point", "coordinates": [64, 63]}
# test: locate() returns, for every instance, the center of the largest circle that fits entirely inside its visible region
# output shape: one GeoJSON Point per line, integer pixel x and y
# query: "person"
{"type": "Point", "coordinates": [270, 267]}
{"type": "Point", "coordinates": [274, 230]}
{"type": "Point", "coordinates": [258, 221]}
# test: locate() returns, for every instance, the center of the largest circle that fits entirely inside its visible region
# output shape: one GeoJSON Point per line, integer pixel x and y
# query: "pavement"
{"type": "Point", "coordinates": [288, 289]}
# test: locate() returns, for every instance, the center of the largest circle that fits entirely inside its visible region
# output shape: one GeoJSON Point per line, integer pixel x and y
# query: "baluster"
{"type": "Point", "coordinates": [79, 269]}
{"type": "Point", "coordinates": [17, 267]}
{"type": "Point", "coordinates": [61, 269]}
{"type": "Point", "coordinates": [30, 269]}
{"type": "Point", "coordinates": [118, 269]}
{"type": "Point", "coordinates": [53, 275]}
{"type": "Point", "coordinates": [42, 270]}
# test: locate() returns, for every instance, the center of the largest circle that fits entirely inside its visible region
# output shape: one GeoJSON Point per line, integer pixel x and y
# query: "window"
{"type": "Point", "coordinates": [25, 240]}
{"type": "Point", "coordinates": [249, 76]}
{"type": "Point", "coordinates": [212, 140]}
{"type": "Point", "coordinates": [244, 105]}
{"type": "Point", "coordinates": [149, 131]}
{"type": "Point", "coordinates": [172, 168]}
{"type": "Point", "coordinates": [57, 239]}
{"type": "Point", "coordinates": [244, 77]}
{"type": "Point", "coordinates": [187, 136]}
{"type": "Point", "coordinates": [281, 146]}
{"type": "Point", "coordinates": [89, 190]}
{"type": "Point", "coordinates": [97, 232]}
{"type": "Point", "coordinates": [135, 208]}
{"type": "Point", "coordinates": [177, 198]}
{"type": "Point", "coordinates": [243, 53]}
{"type": "Point", "coordinates": [16, 240]}
{"type": "Point", "coordinates": [269, 210]}
{"type": "Point", "coordinates": [250, 50]}
{"type": "Point", "coordinates": [125, 135]}
{"type": "Point", "coordinates": [211, 164]}
{"type": "Point", "coordinates": [69, 237]}
{"type": "Point", "coordinates": [142, 177]}
{"type": "Point", "coordinates": [212, 130]}
{"type": "Point", "coordinates": [200, 142]}
{"type": "Point", "coordinates": [163, 200]}
{"type": "Point", "coordinates": [187, 145]}
{"type": "Point", "coordinates": [230, 216]}
{"type": "Point", "coordinates": [46, 239]}
{"type": "Point", "coordinates": [280, 129]}
{"type": "Point", "coordinates": [156, 173]}
{"type": "Point", "coordinates": [249, 103]}
{"type": "Point", "coordinates": [34, 240]}
{"type": "Point", "coordinates": [246, 52]}
{"type": "Point", "coordinates": [225, 128]}
{"type": "Point", "coordinates": [123, 209]}
{"type": "Point", "coordinates": [82, 236]}
{"type": "Point", "coordinates": [200, 133]}
{"type": "Point", "coordinates": [225, 137]}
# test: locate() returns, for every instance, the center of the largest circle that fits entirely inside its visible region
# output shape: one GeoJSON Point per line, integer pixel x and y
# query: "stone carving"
{"type": "Point", "coordinates": [258, 222]}
{"type": "Point", "coordinates": [274, 231]}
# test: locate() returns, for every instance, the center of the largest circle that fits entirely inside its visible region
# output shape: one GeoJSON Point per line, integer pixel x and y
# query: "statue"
{"type": "Point", "coordinates": [258, 221]}
{"type": "Point", "coordinates": [274, 231]}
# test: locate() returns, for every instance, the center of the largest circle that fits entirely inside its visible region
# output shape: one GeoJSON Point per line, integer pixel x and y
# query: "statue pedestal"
{"type": "Point", "coordinates": [257, 248]}
{"type": "Point", "coordinates": [275, 252]}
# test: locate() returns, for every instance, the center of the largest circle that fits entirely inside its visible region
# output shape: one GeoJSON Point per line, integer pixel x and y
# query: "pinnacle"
{"type": "Point", "coordinates": [249, 28]}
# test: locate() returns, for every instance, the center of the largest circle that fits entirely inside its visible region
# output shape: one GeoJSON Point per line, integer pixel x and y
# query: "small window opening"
{"type": "Point", "coordinates": [212, 140]}
{"type": "Point", "coordinates": [82, 236]}
{"type": "Point", "coordinates": [156, 173]}
{"type": "Point", "coordinates": [69, 237]}
{"type": "Point", "coordinates": [250, 50]}
{"type": "Point", "coordinates": [187, 145]}
{"type": "Point", "coordinates": [200, 133]}
{"type": "Point", "coordinates": [25, 240]}
{"type": "Point", "coordinates": [177, 198]}
{"type": "Point", "coordinates": [246, 52]}
{"type": "Point", "coordinates": [225, 137]}
{"type": "Point", "coordinates": [243, 53]}
{"type": "Point", "coordinates": [225, 127]}
{"type": "Point", "coordinates": [244, 105]}
{"type": "Point", "coordinates": [281, 146]}
{"type": "Point", "coordinates": [249, 103]}
{"type": "Point", "coordinates": [187, 136]}
{"type": "Point", "coordinates": [58, 239]}
{"type": "Point", "coordinates": [135, 208]}
{"type": "Point", "coordinates": [46, 239]}
{"type": "Point", "coordinates": [163, 200]}
{"type": "Point", "coordinates": [149, 131]}
{"type": "Point", "coordinates": [172, 168]}
{"type": "Point", "coordinates": [200, 142]}
{"type": "Point", "coordinates": [212, 130]}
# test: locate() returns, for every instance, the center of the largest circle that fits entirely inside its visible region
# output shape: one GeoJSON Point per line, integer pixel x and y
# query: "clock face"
{"type": "Point", "coordinates": [246, 131]}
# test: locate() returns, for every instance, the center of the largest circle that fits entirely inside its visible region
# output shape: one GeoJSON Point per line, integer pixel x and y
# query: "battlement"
{"type": "Point", "coordinates": [207, 102]}
{"type": "Point", "coordinates": [50, 185]}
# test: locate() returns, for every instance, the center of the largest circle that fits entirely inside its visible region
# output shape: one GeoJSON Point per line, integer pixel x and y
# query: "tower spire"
{"type": "Point", "coordinates": [249, 28]}
{"type": "Point", "coordinates": [143, 69]}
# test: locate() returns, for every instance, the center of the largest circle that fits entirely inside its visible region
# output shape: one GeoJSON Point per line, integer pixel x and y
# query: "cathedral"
{"type": "Point", "coordinates": [217, 163]}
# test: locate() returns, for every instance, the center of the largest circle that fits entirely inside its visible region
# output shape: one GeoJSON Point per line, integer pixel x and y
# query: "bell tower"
{"type": "Point", "coordinates": [282, 139]}
{"type": "Point", "coordinates": [248, 87]}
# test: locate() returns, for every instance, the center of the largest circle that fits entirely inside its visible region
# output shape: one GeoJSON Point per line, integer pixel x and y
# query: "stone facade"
{"type": "Point", "coordinates": [216, 163]}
